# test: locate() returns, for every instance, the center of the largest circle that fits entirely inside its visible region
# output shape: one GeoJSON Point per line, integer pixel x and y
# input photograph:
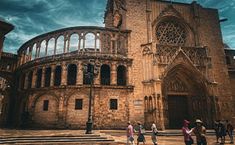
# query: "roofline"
{"type": "Point", "coordinates": [181, 3]}
{"type": "Point", "coordinates": [8, 27]}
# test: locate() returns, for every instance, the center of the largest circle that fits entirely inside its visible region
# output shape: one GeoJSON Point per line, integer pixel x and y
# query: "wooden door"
{"type": "Point", "coordinates": [177, 111]}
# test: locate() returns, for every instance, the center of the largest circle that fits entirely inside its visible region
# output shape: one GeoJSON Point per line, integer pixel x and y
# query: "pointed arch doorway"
{"type": "Point", "coordinates": [184, 96]}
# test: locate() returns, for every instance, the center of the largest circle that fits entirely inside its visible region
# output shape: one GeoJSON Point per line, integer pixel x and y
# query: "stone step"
{"type": "Point", "coordinates": [56, 139]}
{"type": "Point", "coordinates": [148, 132]}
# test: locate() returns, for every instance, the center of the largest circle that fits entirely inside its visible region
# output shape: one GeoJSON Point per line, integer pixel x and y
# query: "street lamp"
{"type": "Point", "coordinates": [91, 72]}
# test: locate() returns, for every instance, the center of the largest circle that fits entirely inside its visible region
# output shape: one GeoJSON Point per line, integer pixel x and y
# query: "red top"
{"type": "Point", "coordinates": [186, 133]}
{"type": "Point", "coordinates": [130, 131]}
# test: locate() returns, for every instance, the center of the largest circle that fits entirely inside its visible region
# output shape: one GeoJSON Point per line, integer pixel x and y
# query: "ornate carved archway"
{"type": "Point", "coordinates": [185, 96]}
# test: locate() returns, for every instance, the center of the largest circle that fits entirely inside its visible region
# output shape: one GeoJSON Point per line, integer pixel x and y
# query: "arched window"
{"type": "Point", "coordinates": [60, 45]}
{"type": "Point", "coordinates": [42, 49]}
{"type": "Point", "coordinates": [30, 78]}
{"type": "Point", "coordinates": [51, 46]}
{"type": "Point", "coordinates": [170, 32]}
{"type": "Point", "coordinates": [105, 75]}
{"type": "Point", "coordinates": [39, 78]}
{"type": "Point", "coordinates": [72, 74]}
{"type": "Point", "coordinates": [90, 41]}
{"type": "Point", "coordinates": [47, 76]}
{"type": "Point", "coordinates": [121, 75]}
{"type": "Point", "coordinates": [88, 74]}
{"type": "Point", "coordinates": [34, 52]}
{"type": "Point", "coordinates": [27, 54]}
{"type": "Point", "coordinates": [57, 76]}
{"type": "Point", "coordinates": [74, 39]}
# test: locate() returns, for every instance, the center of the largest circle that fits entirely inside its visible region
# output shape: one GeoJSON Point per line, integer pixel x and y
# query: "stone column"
{"type": "Point", "coordinates": [113, 74]}
{"type": "Point", "coordinates": [96, 78]}
{"type": "Point", "coordinates": [64, 74]}
{"type": "Point", "coordinates": [34, 76]}
{"type": "Point", "coordinates": [65, 39]}
{"type": "Point", "coordinates": [37, 50]}
{"type": "Point", "coordinates": [43, 77]}
{"type": "Point", "coordinates": [52, 75]}
{"type": "Point", "coordinates": [68, 45]}
{"type": "Point", "coordinates": [55, 46]}
{"type": "Point", "coordinates": [46, 47]}
{"type": "Point", "coordinates": [26, 80]}
{"type": "Point", "coordinates": [79, 80]}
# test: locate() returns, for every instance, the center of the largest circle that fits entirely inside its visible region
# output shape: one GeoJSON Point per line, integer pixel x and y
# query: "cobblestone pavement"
{"type": "Point", "coordinates": [119, 136]}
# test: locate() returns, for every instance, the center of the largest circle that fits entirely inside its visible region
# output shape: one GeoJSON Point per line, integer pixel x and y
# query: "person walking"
{"type": "Point", "coordinates": [188, 140]}
{"type": "Point", "coordinates": [230, 129]}
{"type": "Point", "coordinates": [130, 133]}
{"type": "Point", "coordinates": [141, 132]}
{"type": "Point", "coordinates": [216, 128]}
{"type": "Point", "coordinates": [222, 131]}
{"type": "Point", "coordinates": [200, 131]}
{"type": "Point", "coordinates": [154, 134]}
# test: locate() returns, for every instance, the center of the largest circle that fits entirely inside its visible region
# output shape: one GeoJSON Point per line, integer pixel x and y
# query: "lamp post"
{"type": "Point", "coordinates": [91, 73]}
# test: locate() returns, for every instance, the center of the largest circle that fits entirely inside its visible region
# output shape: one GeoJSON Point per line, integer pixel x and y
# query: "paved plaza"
{"type": "Point", "coordinates": [169, 137]}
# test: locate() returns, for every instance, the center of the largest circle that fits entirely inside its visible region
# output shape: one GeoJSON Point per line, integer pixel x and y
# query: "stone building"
{"type": "Point", "coordinates": [7, 62]}
{"type": "Point", "coordinates": [154, 61]}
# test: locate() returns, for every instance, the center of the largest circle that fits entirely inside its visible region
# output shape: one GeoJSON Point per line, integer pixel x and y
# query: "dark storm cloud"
{"type": "Point", "coordinates": [35, 17]}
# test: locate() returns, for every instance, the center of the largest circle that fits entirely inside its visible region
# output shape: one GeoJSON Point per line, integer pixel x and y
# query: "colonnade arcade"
{"type": "Point", "coordinates": [73, 74]}
{"type": "Point", "coordinates": [75, 39]}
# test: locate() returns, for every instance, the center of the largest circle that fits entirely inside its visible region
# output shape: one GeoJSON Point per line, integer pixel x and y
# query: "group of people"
{"type": "Point", "coordinates": [199, 130]}
{"type": "Point", "coordinates": [223, 128]}
{"type": "Point", "coordinates": [140, 133]}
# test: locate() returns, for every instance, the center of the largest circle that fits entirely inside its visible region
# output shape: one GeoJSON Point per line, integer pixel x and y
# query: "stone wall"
{"type": "Point", "coordinates": [62, 113]}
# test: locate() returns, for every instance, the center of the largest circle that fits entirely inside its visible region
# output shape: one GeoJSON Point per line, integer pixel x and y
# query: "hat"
{"type": "Point", "coordinates": [129, 122]}
{"type": "Point", "coordinates": [198, 121]}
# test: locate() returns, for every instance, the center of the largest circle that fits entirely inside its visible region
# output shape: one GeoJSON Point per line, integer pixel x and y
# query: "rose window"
{"type": "Point", "coordinates": [170, 32]}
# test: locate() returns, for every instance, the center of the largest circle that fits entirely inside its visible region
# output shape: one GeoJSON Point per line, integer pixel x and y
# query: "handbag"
{"type": "Point", "coordinates": [155, 132]}
{"type": "Point", "coordinates": [131, 138]}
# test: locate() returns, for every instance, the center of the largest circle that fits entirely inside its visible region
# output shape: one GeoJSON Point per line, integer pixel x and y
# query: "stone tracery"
{"type": "Point", "coordinates": [170, 32]}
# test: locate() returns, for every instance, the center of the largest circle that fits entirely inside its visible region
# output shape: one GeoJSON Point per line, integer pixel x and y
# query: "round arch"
{"type": "Point", "coordinates": [45, 110]}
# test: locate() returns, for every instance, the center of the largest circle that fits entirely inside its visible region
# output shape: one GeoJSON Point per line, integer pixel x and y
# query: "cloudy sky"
{"type": "Point", "coordinates": [35, 17]}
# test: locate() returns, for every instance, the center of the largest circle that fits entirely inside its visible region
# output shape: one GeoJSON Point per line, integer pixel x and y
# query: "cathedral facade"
{"type": "Point", "coordinates": [154, 61]}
